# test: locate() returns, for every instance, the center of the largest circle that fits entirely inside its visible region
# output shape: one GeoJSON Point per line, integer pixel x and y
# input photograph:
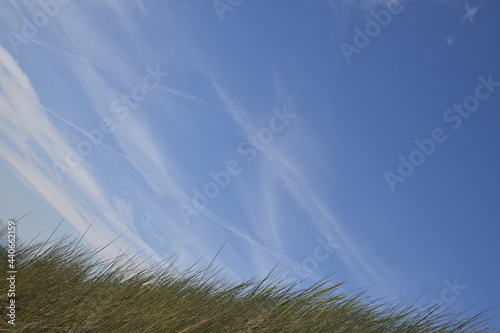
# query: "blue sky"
{"type": "Point", "coordinates": [351, 137]}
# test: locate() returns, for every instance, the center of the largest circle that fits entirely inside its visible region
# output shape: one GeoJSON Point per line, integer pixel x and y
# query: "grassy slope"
{"type": "Point", "coordinates": [61, 287]}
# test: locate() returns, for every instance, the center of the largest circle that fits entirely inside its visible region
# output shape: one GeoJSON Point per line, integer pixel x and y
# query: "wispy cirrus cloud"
{"type": "Point", "coordinates": [151, 151]}
{"type": "Point", "coordinates": [282, 173]}
{"type": "Point", "coordinates": [100, 77]}
{"type": "Point", "coordinates": [30, 142]}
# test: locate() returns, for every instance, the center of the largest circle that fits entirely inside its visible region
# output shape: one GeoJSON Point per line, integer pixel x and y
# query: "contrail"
{"type": "Point", "coordinates": [214, 217]}
{"type": "Point", "coordinates": [90, 137]}
{"type": "Point", "coordinates": [190, 97]}
{"type": "Point", "coordinates": [64, 52]}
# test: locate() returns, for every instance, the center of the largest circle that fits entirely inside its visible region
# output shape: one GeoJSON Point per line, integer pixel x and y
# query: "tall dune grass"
{"type": "Point", "coordinates": [64, 287]}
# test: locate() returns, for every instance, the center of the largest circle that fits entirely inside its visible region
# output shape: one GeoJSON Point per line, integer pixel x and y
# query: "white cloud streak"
{"type": "Point", "coordinates": [34, 143]}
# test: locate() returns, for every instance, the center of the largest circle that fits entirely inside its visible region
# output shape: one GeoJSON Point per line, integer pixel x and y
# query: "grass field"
{"type": "Point", "coordinates": [63, 287]}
